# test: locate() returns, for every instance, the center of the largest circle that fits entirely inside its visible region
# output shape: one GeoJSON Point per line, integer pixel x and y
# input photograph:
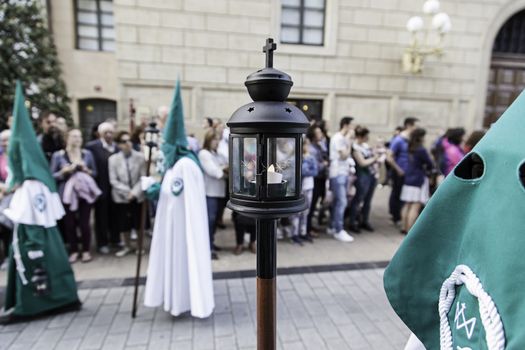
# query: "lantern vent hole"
{"type": "Point", "coordinates": [288, 110]}
{"type": "Point", "coordinates": [251, 109]}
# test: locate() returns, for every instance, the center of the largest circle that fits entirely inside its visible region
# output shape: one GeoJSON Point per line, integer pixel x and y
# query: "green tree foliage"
{"type": "Point", "coordinates": [27, 52]}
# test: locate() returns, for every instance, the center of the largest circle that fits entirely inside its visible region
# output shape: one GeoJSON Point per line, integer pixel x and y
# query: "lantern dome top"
{"type": "Point", "coordinates": [269, 116]}
{"type": "Point", "coordinates": [269, 88]}
{"type": "Point", "coordinates": [269, 84]}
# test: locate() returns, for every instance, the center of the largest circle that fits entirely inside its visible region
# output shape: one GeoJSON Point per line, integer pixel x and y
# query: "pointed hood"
{"type": "Point", "coordinates": [457, 280]}
{"type": "Point", "coordinates": [26, 158]}
{"type": "Point", "coordinates": [175, 144]}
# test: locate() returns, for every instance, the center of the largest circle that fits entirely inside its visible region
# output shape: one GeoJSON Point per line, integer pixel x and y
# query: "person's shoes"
{"type": "Point", "coordinates": [214, 256]}
{"type": "Point", "coordinates": [217, 249]}
{"type": "Point", "coordinates": [354, 228]}
{"type": "Point", "coordinates": [343, 236]}
{"type": "Point", "coordinates": [307, 238]}
{"type": "Point", "coordinates": [253, 248]}
{"type": "Point", "coordinates": [296, 240]}
{"type": "Point", "coordinates": [330, 231]}
{"type": "Point", "coordinates": [133, 236]}
{"type": "Point", "coordinates": [86, 257]}
{"type": "Point", "coordinates": [221, 225]}
{"type": "Point", "coordinates": [4, 265]}
{"type": "Point", "coordinates": [238, 250]}
{"type": "Point", "coordinates": [121, 253]}
{"type": "Point", "coordinates": [104, 250]}
{"type": "Point", "coordinates": [73, 258]}
{"type": "Point", "coordinates": [367, 227]}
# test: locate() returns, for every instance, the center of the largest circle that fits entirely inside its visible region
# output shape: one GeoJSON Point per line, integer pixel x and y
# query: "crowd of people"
{"type": "Point", "coordinates": [340, 173]}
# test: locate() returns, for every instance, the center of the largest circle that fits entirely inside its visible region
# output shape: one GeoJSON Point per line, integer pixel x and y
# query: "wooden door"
{"type": "Point", "coordinates": [94, 112]}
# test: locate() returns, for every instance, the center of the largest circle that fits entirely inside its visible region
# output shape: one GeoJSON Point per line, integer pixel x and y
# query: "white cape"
{"type": "Point", "coordinates": [34, 204]}
{"type": "Point", "coordinates": [179, 271]}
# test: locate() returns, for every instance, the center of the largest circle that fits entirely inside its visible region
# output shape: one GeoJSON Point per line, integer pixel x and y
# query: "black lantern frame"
{"type": "Point", "coordinates": [253, 192]}
{"type": "Point", "coordinates": [264, 123]}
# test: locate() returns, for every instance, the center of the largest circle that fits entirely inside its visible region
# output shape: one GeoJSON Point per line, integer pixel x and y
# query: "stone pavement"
{"type": "Point", "coordinates": [330, 310]}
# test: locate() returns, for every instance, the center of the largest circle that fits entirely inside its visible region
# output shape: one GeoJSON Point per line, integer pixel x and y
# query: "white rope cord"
{"type": "Point", "coordinates": [18, 258]}
{"type": "Point", "coordinates": [462, 274]}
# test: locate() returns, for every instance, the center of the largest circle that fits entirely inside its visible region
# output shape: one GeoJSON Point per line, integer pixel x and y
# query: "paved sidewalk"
{"type": "Point", "coordinates": [333, 310]}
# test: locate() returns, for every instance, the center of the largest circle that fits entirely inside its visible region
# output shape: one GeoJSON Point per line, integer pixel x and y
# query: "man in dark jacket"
{"type": "Point", "coordinates": [102, 149]}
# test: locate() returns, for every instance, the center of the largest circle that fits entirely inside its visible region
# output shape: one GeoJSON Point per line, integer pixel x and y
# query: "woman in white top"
{"type": "Point", "coordinates": [215, 169]}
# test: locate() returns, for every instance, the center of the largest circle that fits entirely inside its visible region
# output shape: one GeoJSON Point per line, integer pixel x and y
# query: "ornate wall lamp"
{"type": "Point", "coordinates": [426, 40]}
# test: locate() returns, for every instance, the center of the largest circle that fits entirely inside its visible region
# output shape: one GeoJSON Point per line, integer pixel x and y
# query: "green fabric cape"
{"type": "Point", "coordinates": [476, 222]}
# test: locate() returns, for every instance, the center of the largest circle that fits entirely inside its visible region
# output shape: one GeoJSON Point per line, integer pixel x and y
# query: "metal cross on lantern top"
{"type": "Point", "coordinates": [269, 48]}
{"type": "Point", "coordinates": [265, 175]}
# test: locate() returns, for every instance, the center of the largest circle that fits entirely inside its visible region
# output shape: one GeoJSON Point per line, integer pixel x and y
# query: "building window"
{"type": "Point", "coordinates": [313, 109]}
{"type": "Point", "coordinates": [303, 22]}
{"type": "Point", "coordinates": [94, 25]}
{"type": "Point", "coordinates": [511, 37]}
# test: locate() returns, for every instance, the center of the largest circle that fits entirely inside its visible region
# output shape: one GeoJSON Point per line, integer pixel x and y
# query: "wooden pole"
{"type": "Point", "coordinates": [140, 239]}
{"type": "Point", "coordinates": [266, 284]}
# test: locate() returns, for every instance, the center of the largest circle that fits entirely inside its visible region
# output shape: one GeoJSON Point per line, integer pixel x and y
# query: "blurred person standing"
{"type": "Point", "coordinates": [6, 225]}
{"type": "Point", "coordinates": [125, 170]}
{"type": "Point", "coordinates": [52, 138]}
{"type": "Point", "coordinates": [415, 190]}
{"type": "Point", "coordinates": [61, 124]}
{"type": "Point", "coordinates": [398, 161]}
{"type": "Point", "coordinates": [73, 170]}
{"type": "Point", "coordinates": [309, 170]}
{"type": "Point", "coordinates": [224, 151]}
{"type": "Point", "coordinates": [242, 225]}
{"type": "Point", "coordinates": [102, 149]}
{"type": "Point", "coordinates": [365, 183]}
{"type": "Point", "coordinates": [473, 140]}
{"type": "Point", "coordinates": [452, 146]}
{"type": "Point", "coordinates": [319, 151]}
{"type": "Point", "coordinates": [341, 164]}
{"type": "Point", "coordinates": [162, 114]}
{"type": "Point", "coordinates": [137, 138]}
{"type": "Point", "coordinates": [215, 173]}
{"type": "Point", "coordinates": [193, 143]}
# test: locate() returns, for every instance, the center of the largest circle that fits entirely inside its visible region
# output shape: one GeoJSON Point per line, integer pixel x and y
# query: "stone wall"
{"type": "Point", "coordinates": [83, 70]}
{"type": "Point", "coordinates": [212, 45]}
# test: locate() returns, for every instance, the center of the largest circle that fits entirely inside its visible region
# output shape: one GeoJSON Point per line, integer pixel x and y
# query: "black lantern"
{"type": "Point", "coordinates": [266, 147]}
{"type": "Point", "coordinates": [265, 174]}
{"type": "Point", "coordinates": [151, 136]}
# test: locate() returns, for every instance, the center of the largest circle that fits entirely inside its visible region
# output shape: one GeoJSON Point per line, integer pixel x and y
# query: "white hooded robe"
{"type": "Point", "coordinates": [179, 272]}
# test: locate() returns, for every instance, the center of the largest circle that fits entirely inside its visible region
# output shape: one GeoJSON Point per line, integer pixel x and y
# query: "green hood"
{"type": "Point", "coordinates": [26, 158]}
{"type": "Point", "coordinates": [175, 144]}
{"type": "Point", "coordinates": [475, 219]}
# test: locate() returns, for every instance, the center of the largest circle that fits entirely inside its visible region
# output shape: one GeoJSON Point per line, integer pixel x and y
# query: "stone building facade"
{"type": "Point", "coordinates": [212, 45]}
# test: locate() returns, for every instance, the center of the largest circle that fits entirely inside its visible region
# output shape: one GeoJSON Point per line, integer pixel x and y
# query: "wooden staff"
{"type": "Point", "coordinates": [143, 215]}
{"type": "Point", "coordinates": [266, 284]}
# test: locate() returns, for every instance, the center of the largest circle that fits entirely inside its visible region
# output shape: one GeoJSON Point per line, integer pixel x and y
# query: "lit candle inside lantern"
{"type": "Point", "coordinates": [272, 176]}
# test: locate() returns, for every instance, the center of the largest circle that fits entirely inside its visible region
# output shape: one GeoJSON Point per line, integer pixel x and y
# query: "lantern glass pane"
{"type": "Point", "coordinates": [280, 172]}
{"type": "Point", "coordinates": [244, 166]}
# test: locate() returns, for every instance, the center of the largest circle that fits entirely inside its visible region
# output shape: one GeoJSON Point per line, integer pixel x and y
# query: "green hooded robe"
{"type": "Point", "coordinates": [40, 278]}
